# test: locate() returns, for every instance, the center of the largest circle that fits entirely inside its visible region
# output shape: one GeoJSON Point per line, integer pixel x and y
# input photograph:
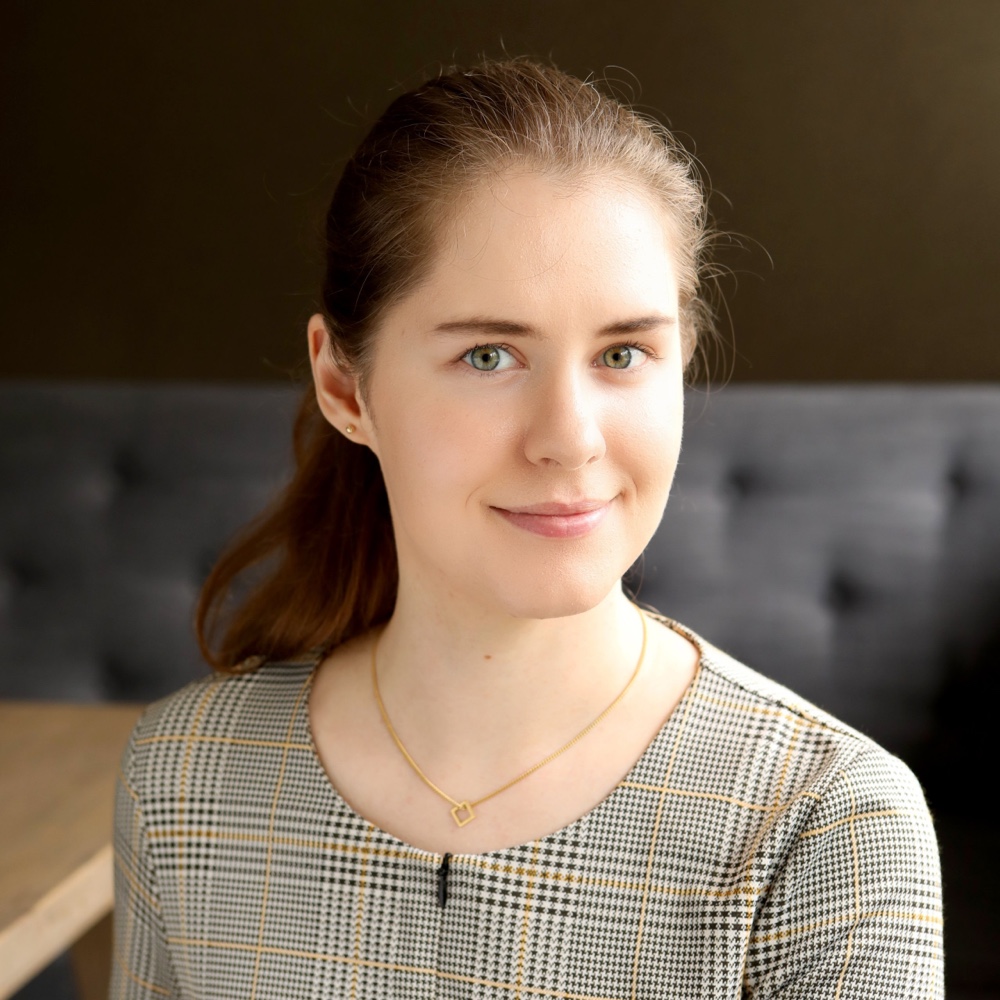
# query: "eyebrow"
{"type": "Point", "coordinates": [503, 327]}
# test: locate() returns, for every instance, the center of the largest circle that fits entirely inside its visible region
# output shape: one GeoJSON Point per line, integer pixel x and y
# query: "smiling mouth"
{"type": "Point", "coordinates": [557, 520]}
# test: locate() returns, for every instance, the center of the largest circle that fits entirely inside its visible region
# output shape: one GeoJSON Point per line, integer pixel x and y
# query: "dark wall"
{"type": "Point", "coordinates": [165, 166]}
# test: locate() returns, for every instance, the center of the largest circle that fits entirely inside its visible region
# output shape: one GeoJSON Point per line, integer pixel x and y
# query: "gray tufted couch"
{"type": "Point", "coordinates": [844, 540]}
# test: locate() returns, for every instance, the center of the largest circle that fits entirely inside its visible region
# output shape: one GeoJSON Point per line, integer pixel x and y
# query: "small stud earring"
{"type": "Point", "coordinates": [349, 429]}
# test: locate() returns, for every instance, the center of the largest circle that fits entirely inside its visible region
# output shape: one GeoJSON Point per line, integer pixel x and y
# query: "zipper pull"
{"type": "Point", "coordinates": [442, 874]}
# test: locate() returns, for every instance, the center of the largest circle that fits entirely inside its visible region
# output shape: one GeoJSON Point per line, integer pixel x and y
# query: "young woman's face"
{"type": "Point", "coordinates": [525, 402]}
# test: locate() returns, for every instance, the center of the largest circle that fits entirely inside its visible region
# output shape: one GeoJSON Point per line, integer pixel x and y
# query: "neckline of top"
{"type": "Point", "coordinates": [672, 721]}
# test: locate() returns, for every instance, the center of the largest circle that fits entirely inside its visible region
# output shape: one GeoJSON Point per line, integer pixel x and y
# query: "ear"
{"type": "Point", "coordinates": [337, 391]}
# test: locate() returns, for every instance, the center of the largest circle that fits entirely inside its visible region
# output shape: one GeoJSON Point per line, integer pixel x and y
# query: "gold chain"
{"type": "Point", "coordinates": [464, 812]}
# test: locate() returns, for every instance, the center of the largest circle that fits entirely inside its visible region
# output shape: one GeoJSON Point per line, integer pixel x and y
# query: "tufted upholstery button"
{"type": "Point", "coordinates": [959, 481]}
{"type": "Point", "coordinates": [842, 593]}
{"type": "Point", "coordinates": [24, 573]}
{"type": "Point", "coordinates": [116, 678]}
{"type": "Point", "coordinates": [741, 482]}
{"type": "Point", "coordinates": [203, 566]}
{"type": "Point", "coordinates": [128, 468]}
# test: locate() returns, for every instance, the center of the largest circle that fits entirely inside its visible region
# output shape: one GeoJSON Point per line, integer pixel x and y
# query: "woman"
{"type": "Point", "coordinates": [443, 753]}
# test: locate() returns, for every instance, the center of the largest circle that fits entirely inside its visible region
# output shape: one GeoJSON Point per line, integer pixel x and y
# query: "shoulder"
{"type": "Point", "coordinates": [749, 690]}
{"type": "Point", "coordinates": [792, 746]}
{"type": "Point", "coordinates": [182, 731]}
{"type": "Point", "coordinates": [742, 681]}
{"type": "Point", "coordinates": [845, 850]}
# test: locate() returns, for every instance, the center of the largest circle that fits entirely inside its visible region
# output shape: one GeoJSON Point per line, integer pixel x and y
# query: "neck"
{"type": "Point", "coordinates": [459, 681]}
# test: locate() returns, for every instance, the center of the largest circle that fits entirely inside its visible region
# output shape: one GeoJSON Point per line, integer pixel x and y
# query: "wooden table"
{"type": "Point", "coordinates": [58, 764]}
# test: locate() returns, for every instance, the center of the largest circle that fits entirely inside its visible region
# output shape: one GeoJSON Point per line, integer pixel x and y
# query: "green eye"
{"type": "Point", "coordinates": [618, 357]}
{"type": "Point", "coordinates": [484, 358]}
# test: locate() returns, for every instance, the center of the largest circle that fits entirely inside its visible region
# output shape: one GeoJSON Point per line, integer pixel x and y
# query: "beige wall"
{"type": "Point", "coordinates": [164, 171]}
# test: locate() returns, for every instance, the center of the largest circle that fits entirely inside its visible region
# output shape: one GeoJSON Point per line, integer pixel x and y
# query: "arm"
{"type": "Point", "coordinates": [141, 968]}
{"type": "Point", "coordinates": [855, 911]}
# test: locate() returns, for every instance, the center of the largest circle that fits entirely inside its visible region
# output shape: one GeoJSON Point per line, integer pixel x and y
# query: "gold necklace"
{"type": "Point", "coordinates": [464, 812]}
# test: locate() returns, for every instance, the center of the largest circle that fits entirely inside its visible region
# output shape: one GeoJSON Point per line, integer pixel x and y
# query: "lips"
{"type": "Point", "coordinates": [557, 520]}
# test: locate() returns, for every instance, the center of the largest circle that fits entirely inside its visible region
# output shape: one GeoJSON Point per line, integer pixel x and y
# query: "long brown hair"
{"type": "Point", "coordinates": [322, 558]}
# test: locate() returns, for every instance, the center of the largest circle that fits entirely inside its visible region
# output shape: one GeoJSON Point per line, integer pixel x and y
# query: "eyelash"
{"type": "Point", "coordinates": [632, 345]}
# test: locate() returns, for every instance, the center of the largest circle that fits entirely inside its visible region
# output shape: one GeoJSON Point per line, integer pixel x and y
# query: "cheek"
{"type": "Point", "coordinates": [436, 449]}
{"type": "Point", "coordinates": [650, 437]}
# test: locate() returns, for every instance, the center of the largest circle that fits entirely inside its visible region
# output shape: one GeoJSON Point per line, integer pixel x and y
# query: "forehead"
{"type": "Point", "coordinates": [527, 239]}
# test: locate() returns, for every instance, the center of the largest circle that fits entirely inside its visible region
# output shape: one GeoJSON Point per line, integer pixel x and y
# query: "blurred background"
{"type": "Point", "coordinates": [166, 167]}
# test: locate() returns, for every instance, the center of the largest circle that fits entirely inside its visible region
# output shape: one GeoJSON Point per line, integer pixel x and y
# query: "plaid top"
{"type": "Point", "coordinates": [758, 848]}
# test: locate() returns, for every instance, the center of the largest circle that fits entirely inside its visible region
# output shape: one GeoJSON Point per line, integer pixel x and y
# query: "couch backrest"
{"type": "Point", "coordinates": [845, 541]}
{"type": "Point", "coordinates": [114, 502]}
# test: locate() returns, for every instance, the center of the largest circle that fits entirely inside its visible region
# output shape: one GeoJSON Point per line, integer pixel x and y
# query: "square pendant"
{"type": "Point", "coordinates": [462, 813]}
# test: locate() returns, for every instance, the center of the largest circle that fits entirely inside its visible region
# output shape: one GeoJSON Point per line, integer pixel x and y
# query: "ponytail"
{"type": "Point", "coordinates": [325, 550]}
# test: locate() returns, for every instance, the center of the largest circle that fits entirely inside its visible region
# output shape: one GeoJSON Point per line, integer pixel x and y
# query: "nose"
{"type": "Point", "coordinates": [565, 423]}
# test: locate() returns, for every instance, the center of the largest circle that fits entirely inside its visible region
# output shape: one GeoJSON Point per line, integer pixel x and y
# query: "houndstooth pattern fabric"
{"type": "Point", "coordinates": [759, 848]}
